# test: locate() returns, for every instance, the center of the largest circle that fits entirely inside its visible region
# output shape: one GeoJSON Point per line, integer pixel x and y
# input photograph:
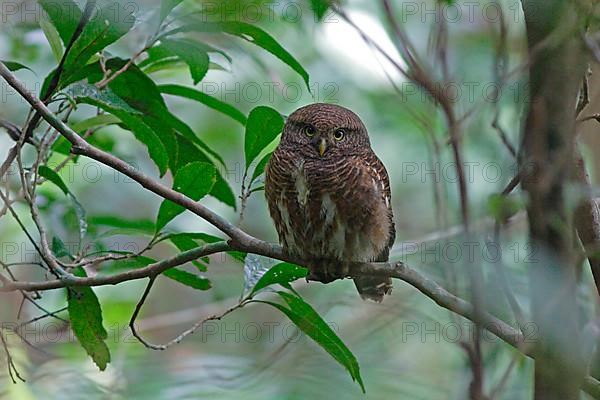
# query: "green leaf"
{"type": "Point", "coordinates": [162, 54]}
{"type": "Point", "coordinates": [139, 225]}
{"type": "Point", "coordinates": [53, 37]}
{"type": "Point", "coordinates": [209, 101]}
{"type": "Point", "coordinates": [15, 66]}
{"type": "Point", "coordinates": [311, 323]}
{"type": "Point", "coordinates": [320, 8]}
{"type": "Point", "coordinates": [172, 64]}
{"type": "Point", "coordinates": [103, 142]}
{"type": "Point", "coordinates": [181, 276]}
{"type": "Point", "coordinates": [95, 122]}
{"type": "Point", "coordinates": [139, 91]}
{"type": "Point", "coordinates": [133, 119]}
{"type": "Point", "coordinates": [105, 27]}
{"type": "Point", "coordinates": [108, 25]}
{"type": "Point", "coordinates": [188, 153]}
{"type": "Point", "coordinates": [53, 177]}
{"type": "Point", "coordinates": [50, 175]}
{"type": "Point", "coordinates": [203, 237]}
{"type": "Point", "coordinates": [166, 6]}
{"type": "Point", "coordinates": [194, 54]}
{"type": "Point", "coordinates": [59, 249]}
{"type": "Point", "coordinates": [134, 262]}
{"type": "Point", "coordinates": [189, 134]}
{"type": "Point", "coordinates": [187, 241]}
{"type": "Point", "coordinates": [64, 15]}
{"type": "Point", "coordinates": [264, 124]}
{"type": "Point", "coordinates": [195, 180]}
{"type": "Point", "coordinates": [504, 207]}
{"type": "Point", "coordinates": [260, 167]}
{"type": "Point", "coordinates": [82, 91]}
{"type": "Point", "coordinates": [252, 34]}
{"type": "Point", "coordinates": [282, 274]}
{"type": "Point", "coordinates": [188, 279]}
{"type": "Point", "coordinates": [86, 321]}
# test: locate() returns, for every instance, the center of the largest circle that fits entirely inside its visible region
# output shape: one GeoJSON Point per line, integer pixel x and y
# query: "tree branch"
{"type": "Point", "coordinates": [81, 147]}
{"type": "Point", "coordinates": [70, 280]}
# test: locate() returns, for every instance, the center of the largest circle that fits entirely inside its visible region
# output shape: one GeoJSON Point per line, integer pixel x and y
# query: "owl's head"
{"type": "Point", "coordinates": [325, 130]}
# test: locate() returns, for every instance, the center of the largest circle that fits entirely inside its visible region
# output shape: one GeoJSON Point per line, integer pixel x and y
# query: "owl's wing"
{"type": "Point", "coordinates": [376, 170]}
{"type": "Point", "coordinates": [277, 183]}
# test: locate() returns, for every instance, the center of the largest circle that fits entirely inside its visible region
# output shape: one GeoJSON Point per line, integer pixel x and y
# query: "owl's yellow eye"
{"type": "Point", "coordinates": [309, 130]}
{"type": "Point", "coordinates": [339, 135]}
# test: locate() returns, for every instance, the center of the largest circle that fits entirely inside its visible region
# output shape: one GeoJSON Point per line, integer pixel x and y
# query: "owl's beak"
{"type": "Point", "coordinates": [320, 144]}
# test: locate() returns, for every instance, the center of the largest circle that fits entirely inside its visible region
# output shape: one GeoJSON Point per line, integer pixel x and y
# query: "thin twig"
{"type": "Point", "coordinates": [12, 368]}
{"type": "Point", "coordinates": [180, 337]}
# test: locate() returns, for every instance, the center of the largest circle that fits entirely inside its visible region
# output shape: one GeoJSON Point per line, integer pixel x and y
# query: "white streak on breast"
{"type": "Point", "coordinates": [285, 218]}
{"type": "Point", "coordinates": [301, 186]}
{"type": "Point", "coordinates": [328, 210]}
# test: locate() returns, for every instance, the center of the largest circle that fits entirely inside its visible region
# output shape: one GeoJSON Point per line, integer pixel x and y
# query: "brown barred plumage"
{"type": "Point", "coordinates": [329, 195]}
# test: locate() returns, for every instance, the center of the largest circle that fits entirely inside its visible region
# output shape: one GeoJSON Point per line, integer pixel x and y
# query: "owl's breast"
{"type": "Point", "coordinates": [325, 214]}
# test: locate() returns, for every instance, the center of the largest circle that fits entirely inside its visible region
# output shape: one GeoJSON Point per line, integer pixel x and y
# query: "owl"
{"type": "Point", "coordinates": [329, 195]}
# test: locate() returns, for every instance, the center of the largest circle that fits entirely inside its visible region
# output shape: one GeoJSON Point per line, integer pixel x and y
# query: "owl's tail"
{"type": "Point", "coordinates": [373, 288]}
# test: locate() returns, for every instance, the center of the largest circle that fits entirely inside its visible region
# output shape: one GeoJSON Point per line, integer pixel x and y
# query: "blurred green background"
{"type": "Point", "coordinates": [407, 347]}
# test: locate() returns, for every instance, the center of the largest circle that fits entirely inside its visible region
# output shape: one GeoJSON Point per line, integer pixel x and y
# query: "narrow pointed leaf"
{"type": "Point", "coordinates": [64, 15]}
{"type": "Point", "coordinates": [188, 279]}
{"type": "Point", "coordinates": [15, 66]}
{"type": "Point", "coordinates": [205, 99]}
{"type": "Point", "coordinates": [252, 34]}
{"type": "Point", "coordinates": [108, 25]}
{"type": "Point", "coordinates": [194, 55]}
{"type": "Point", "coordinates": [282, 274]}
{"type": "Point", "coordinates": [86, 321]}
{"type": "Point", "coordinates": [95, 122]}
{"type": "Point", "coordinates": [320, 7]}
{"type": "Point", "coordinates": [166, 6]}
{"type": "Point", "coordinates": [107, 100]}
{"type": "Point", "coordinates": [311, 323]}
{"type": "Point", "coordinates": [50, 175]}
{"type": "Point", "coordinates": [53, 38]}
{"type": "Point", "coordinates": [260, 167]}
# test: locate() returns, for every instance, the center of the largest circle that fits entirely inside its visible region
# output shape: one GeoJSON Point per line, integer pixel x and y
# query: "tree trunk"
{"type": "Point", "coordinates": [557, 65]}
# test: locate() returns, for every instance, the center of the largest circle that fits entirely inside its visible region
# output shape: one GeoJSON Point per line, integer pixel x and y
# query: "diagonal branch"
{"type": "Point", "coordinates": [81, 147]}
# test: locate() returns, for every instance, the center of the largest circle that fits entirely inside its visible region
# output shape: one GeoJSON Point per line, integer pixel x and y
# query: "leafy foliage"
{"type": "Point", "coordinates": [166, 6]}
{"type": "Point", "coordinates": [264, 124]}
{"type": "Point", "coordinates": [122, 92]}
{"type": "Point", "coordinates": [195, 180]}
{"type": "Point", "coordinates": [282, 274]}
{"type": "Point", "coordinates": [260, 167]}
{"type": "Point", "coordinates": [205, 99]}
{"type": "Point", "coordinates": [86, 322]}
{"type": "Point", "coordinates": [53, 177]}
{"type": "Point", "coordinates": [15, 66]}
{"type": "Point", "coordinates": [320, 7]}
{"type": "Point", "coordinates": [193, 53]}
{"type": "Point", "coordinates": [188, 279]}
{"type": "Point", "coordinates": [311, 323]}
{"type": "Point", "coordinates": [248, 32]}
